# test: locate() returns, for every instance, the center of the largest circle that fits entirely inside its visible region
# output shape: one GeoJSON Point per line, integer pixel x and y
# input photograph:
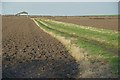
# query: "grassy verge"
{"type": "Point", "coordinates": [97, 42]}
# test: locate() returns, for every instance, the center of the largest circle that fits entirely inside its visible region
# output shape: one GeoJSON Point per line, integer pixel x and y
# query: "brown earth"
{"type": "Point", "coordinates": [29, 52]}
{"type": "Point", "coordinates": [105, 22]}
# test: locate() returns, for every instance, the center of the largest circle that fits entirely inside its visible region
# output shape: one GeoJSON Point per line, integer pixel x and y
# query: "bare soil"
{"type": "Point", "coordinates": [29, 52]}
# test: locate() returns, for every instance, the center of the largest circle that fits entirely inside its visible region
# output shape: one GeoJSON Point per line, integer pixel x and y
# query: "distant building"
{"type": "Point", "coordinates": [22, 13]}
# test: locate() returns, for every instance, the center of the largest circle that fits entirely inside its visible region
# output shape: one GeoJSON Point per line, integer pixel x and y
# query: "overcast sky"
{"type": "Point", "coordinates": [61, 8]}
{"type": "Point", "coordinates": [60, 0]}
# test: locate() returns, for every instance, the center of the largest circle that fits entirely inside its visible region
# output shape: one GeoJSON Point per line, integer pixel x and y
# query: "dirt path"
{"type": "Point", "coordinates": [29, 52]}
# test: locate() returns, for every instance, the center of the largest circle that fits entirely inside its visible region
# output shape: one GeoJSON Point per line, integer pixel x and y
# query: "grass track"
{"type": "Point", "coordinates": [99, 42]}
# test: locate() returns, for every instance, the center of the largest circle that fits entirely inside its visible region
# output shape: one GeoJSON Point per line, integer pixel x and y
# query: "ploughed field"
{"type": "Point", "coordinates": [29, 52]}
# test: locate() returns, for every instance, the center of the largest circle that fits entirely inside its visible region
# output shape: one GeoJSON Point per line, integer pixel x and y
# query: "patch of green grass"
{"type": "Point", "coordinates": [107, 40]}
{"type": "Point", "coordinates": [108, 36]}
{"type": "Point", "coordinates": [115, 65]}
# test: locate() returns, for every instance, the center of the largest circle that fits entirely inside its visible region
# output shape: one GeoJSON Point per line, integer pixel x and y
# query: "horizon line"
{"type": "Point", "coordinates": [66, 15]}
